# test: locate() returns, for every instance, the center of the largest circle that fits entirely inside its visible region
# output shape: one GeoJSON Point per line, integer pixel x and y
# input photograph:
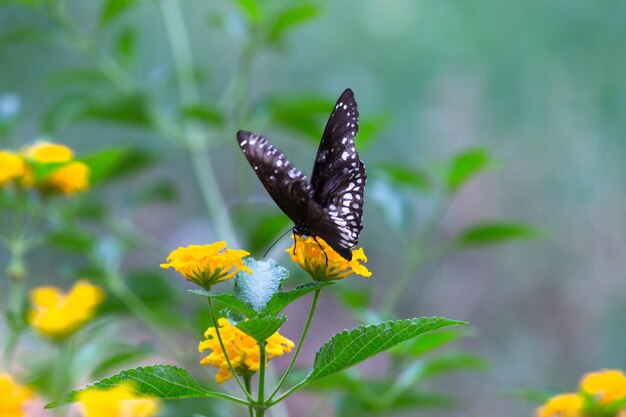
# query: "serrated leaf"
{"type": "Point", "coordinates": [280, 300]}
{"type": "Point", "coordinates": [495, 232]}
{"type": "Point", "coordinates": [405, 176]}
{"type": "Point", "coordinates": [289, 18]}
{"type": "Point", "coordinates": [260, 328]}
{"type": "Point", "coordinates": [116, 162]}
{"type": "Point", "coordinates": [351, 347]}
{"type": "Point", "coordinates": [114, 8]}
{"type": "Point", "coordinates": [229, 300]}
{"type": "Point", "coordinates": [466, 165]}
{"type": "Point", "coordinates": [159, 381]}
{"type": "Point", "coordinates": [258, 288]}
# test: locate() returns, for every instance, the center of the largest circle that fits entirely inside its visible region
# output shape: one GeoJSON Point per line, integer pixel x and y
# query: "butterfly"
{"type": "Point", "coordinates": [331, 205]}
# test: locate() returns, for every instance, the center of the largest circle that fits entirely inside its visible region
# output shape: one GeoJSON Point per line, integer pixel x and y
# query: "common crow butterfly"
{"type": "Point", "coordinates": [331, 206]}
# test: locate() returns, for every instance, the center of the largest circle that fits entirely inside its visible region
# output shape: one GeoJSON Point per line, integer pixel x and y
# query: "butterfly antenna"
{"type": "Point", "coordinates": [322, 248]}
{"type": "Point", "coordinates": [295, 241]}
{"type": "Point", "coordinates": [275, 242]}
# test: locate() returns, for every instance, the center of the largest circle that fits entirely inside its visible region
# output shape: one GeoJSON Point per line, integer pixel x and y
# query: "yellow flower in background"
{"type": "Point", "coordinates": [45, 152]}
{"type": "Point", "coordinates": [61, 173]}
{"type": "Point", "coordinates": [70, 179]}
{"type": "Point", "coordinates": [563, 405]}
{"type": "Point", "coordinates": [115, 402]}
{"type": "Point", "coordinates": [57, 315]}
{"type": "Point", "coordinates": [312, 259]}
{"type": "Point", "coordinates": [13, 397]}
{"type": "Point", "coordinates": [12, 166]}
{"type": "Point", "coordinates": [207, 265]}
{"type": "Point", "coordinates": [242, 350]}
{"type": "Point", "coordinates": [605, 386]}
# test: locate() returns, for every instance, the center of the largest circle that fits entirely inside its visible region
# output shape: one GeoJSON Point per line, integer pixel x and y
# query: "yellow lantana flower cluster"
{"type": "Point", "coordinates": [46, 166]}
{"type": "Point", "coordinates": [13, 397]}
{"type": "Point", "coordinates": [601, 393]}
{"type": "Point", "coordinates": [206, 265]}
{"type": "Point", "coordinates": [116, 402]}
{"type": "Point", "coordinates": [57, 315]}
{"type": "Point", "coordinates": [310, 256]}
{"type": "Point", "coordinates": [242, 350]}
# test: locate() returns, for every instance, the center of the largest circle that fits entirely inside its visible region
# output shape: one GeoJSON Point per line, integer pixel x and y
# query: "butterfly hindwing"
{"type": "Point", "coordinates": [286, 184]}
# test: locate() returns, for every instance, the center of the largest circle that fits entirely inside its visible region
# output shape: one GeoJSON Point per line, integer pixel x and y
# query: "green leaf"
{"type": "Point", "coordinates": [370, 128]}
{"type": "Point", "coordinates": [280, 300]}
{"type": "Point", "coordinates": [351, 347]}
{"type": "Point", "coordinates": [118, 355]}
{"type": "Point", "coordinates": [229, 300]}
{"type": "Point", "coordinates": [116, 162]}
{"type": "Point", "coordinates": [452, 363]}
{"type": "Point", "coordinates": [431, 341]}
{"type": "Point", "coordinates": [301, 113]}
{"type": "Point", "coordinates": [81, 77]}
{"type": "Point", "coordinates": [405, 176]}
{"type": "Point", "coordinates": [261, 328]}
{"type": "Point", "coordinates": [114, 8]}
{"type": "Point", "coordinates": [258, 288]}
{"type": "Point", "coordinates": [494, 233]}
{"type": "Point", "coordinates": [205, 113]}
{"type": "Point", "coordinates": [72, 239]}
{"type": "Point", "coordinates": [131, 109]}
{"type": "Point", "coordinates": [265, 228]}
{"type": "Point", "coordinates": [466, 165]}
{"type": "Point", "coordinates": [126, 46]}
{"type": "Point", "coordinates": [251, 8]}
{"type": "Point", "coordinates": [159, 381]}
{"type": "Point", "coordinates": [290, 17]}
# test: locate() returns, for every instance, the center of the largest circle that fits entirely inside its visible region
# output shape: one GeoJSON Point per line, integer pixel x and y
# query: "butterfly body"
{"type": "Point", "coordinates": [331, 205]}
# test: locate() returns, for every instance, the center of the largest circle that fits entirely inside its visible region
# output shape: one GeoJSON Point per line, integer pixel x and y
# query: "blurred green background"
{"type": "Point", "coordinates": [539, 84]}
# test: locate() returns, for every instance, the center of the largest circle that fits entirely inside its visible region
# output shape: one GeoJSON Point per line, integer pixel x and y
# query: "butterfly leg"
{"type": "Point", "coordinates": [295, 241]}
{"type": "Point", "coordinates": [318, 244]}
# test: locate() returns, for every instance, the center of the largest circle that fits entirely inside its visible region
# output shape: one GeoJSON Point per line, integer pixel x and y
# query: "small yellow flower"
{"type": "Point", "coordinates": [563, 405]}
{"type": "Point", "coordinates": [311, 258]}
{"type": "Point", "coordinates": [57, 315]}
{"type": "Point", "coordinates": [12, 166]}
{"type": "Point", "coordinates": [208, 264]}
{"type": "Point", "coordinates": [46, 153]}
{"type": "Point", "coordinates": [116, 402]}
{"type": "Point", "coordinates": [13, 397]}
{"type": "Point", "coordinates": [69, 179]}
{"type": "Point", "coordinates": [242, 350]}
{"type": "Point", "coordinates": [606, 386]}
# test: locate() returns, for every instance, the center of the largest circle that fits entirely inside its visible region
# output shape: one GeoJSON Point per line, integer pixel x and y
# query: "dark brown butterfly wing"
{"type": "Point", "coordinates": [338, 178]}
{"type": "Point", "coordinates": [286, 184]}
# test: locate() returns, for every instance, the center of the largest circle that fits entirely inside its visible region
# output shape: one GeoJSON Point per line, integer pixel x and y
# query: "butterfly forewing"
{"type": "Point", "coordinates": [338, 178]}
{"type": "Point", "coordinates": [286, 184]}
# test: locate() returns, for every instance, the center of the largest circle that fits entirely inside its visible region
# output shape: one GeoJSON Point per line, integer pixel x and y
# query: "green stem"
{"type": "Point", "coordinates": [223, 347]}
{"type": "Point", "coordinates": [16, 273]}
{"type": "Point", "coordinates": [305, 331]}
{"type": "Point", "coordinates": [248, 382]}
{"type": "Point", "coordinates": [143, 312]}
{"type": "Point", "coordinates": [120, 78]}
{"type": "Point", "coordinates": [194, 137]}
{"type": "Point", "coordinates": [262, 356]}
